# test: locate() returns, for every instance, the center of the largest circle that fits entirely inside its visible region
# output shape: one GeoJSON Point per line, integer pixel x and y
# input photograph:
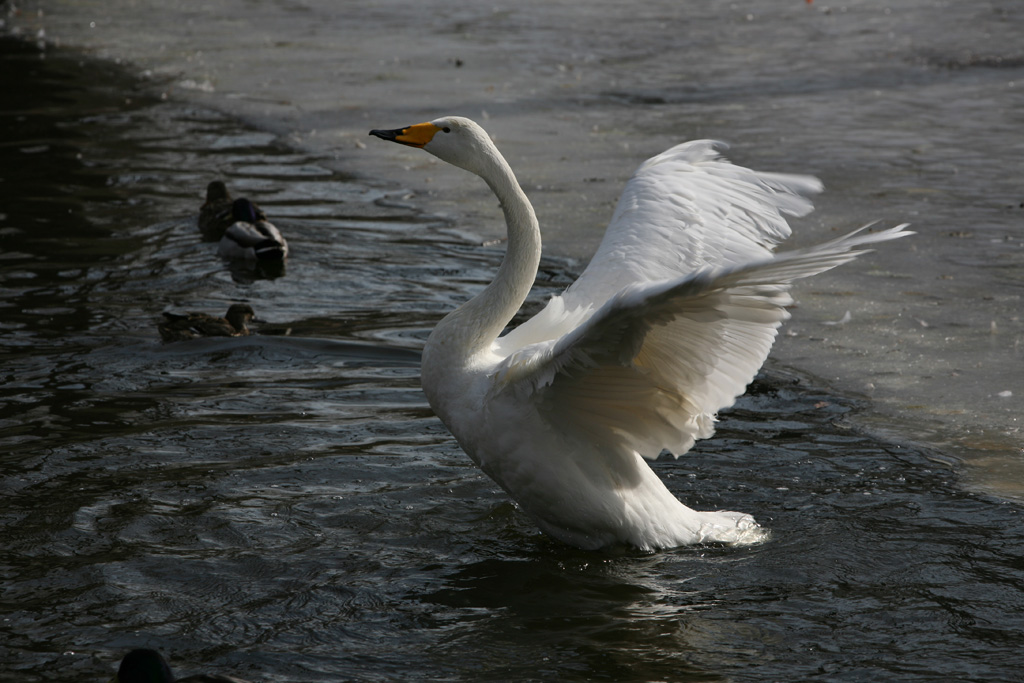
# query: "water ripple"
{"type": "Point", "coordinates": [286, 507]}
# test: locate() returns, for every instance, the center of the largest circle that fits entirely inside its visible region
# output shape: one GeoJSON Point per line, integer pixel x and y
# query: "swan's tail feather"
{"type": "Point", "coordinates": [800, 263]}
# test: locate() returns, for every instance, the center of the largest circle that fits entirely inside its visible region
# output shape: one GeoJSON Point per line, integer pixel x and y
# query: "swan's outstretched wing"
{"type": "Point", "coordinates": [652, 366]}
{"type": "Point", "coordinates": [686, 210]}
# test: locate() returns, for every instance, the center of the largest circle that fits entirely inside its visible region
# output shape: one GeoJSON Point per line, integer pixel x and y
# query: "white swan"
{"type": "Point", "coordinates": [668, 324]}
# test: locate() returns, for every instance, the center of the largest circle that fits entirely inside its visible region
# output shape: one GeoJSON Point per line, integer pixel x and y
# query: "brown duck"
{"type": "Point", "coordinates": [149, 666]}
{"type": "Point", "coordinates": [183, 326]}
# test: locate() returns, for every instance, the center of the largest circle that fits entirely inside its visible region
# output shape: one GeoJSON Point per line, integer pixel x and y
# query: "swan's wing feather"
{"type": "Point", "coordinates": [687, 210]}
{"type": "Point", "coordinates": [653, 366]}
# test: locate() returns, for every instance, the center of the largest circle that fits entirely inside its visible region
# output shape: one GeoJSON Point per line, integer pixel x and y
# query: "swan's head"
{"type": "Point", "coordinates": [454, 139]}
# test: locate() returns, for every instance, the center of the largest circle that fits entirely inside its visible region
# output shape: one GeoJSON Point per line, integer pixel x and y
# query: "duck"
{"type": "Point", "coordinates": [667, 325]}
{"type": "Point", "coordinates": [144, 665]}
{"type": "Point", "coordinates": [251, 237]}
{"type": "Point", "coordinates": [182, 327]}
{"type": "Point", "coordinates": [215, 214]}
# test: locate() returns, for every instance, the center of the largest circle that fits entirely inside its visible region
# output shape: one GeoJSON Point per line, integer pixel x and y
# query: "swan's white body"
{"type": "Point", "coordinates": [667, 325]}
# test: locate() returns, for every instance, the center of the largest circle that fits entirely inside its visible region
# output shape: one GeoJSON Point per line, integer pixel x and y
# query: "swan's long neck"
{"type": "Point", "coordinates": [476, 324]}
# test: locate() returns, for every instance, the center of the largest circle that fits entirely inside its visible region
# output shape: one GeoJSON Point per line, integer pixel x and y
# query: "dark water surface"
{"type": "Point", "coordinates": [287, 508]}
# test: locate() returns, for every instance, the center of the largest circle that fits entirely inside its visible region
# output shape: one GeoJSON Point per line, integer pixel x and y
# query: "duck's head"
{"type": "Point", "coordinates": [243, 210]}
{"type": "Point", "coordinates": [143, 666]}
{"type": "Point", "coordinates": [217, 191]}
{"type": "Point", "coordinates": [240, 315]}
{"type": "Point", "coordinates": [454, 139]}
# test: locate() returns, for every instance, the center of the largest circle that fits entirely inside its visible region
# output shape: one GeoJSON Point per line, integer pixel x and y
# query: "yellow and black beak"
{"type": "Point", "coordinates": [413, 136]}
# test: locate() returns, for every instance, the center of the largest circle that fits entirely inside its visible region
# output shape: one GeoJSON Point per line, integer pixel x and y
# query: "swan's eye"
{"type": "Point", "coordinates": [446, 129]}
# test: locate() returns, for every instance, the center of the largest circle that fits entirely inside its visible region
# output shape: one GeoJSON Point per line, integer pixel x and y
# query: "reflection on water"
{"type": "Point", "coordinates": [286, 507]}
